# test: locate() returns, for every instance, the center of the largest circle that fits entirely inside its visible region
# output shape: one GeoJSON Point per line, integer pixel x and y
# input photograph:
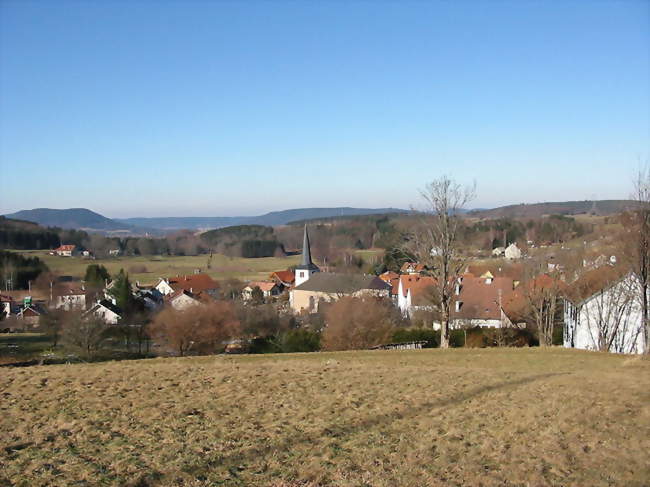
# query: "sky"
{"type": "Point", "coordinates": [211, 108]}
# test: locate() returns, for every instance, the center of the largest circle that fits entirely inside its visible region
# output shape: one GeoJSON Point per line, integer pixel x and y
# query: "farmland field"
{"type": "Point", "coordinates": [147, 269]}
{"type": "Point", "coordinates": [429, 417]}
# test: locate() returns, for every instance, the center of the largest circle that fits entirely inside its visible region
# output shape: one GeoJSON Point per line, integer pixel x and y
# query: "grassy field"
{"type": "Point", "coordinates": [222, 267]}
{"type": "Point", "coordinates": [458, 417]}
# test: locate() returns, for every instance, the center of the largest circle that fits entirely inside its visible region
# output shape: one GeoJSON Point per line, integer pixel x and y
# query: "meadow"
{"type": "Point", "coordinates": [524, 417]}
{"type": "Point", "coordinates": [147, 269]}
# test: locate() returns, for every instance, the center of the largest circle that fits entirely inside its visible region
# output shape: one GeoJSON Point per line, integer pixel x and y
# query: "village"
{"type": "Point", "coordinates": [596, 310]}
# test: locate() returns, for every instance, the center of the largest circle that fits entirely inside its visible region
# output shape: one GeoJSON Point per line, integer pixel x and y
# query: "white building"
{"type": "Point", "coordinates": [107, 311]}
{"type": "Point", "coordinates": [605, 314]}
{"type": "Point", "coordinates": [512, 252]}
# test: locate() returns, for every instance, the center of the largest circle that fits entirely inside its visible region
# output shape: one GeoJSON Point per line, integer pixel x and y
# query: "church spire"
{"type": "Point", "coordinates": [306, 251]}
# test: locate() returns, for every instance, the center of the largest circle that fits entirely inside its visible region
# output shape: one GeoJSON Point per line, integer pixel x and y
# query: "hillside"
{"type": "Point", "coordinates": [504, 417]}
{"type": "Point", "coordinates": [76, 218]}
{"type": "Point", "coordinates": [537, 210]}
{"type": "Point", "coordinates": [273, 218]}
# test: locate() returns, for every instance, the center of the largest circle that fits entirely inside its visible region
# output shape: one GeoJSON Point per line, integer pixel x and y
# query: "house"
{"type": "Point", "coordinates": [538, 292]}
{"type": "Point", "coordinates": [70, 295]}
{"type": "Point", "coordinates": [415, 292]}
{"type": "Point", "coordinates": [512, 252]}
{"type": "Point", "coordinates": [268, 289]}
{"type": "Point", "coordinates": [30, 314]}
{"type": "Point", "coordinates": [194, 283]}
{"type": "Point", "coordinates": [284, 278]}
{"type": "Point", "coordinates": [65, 250]}
{"type": "Point", "coordinates": [392, 279]}
{"type": "Point", "coordinates": [7, 305]}
{"type": "Point", "coordinates": [498, 252]}
{"type": "Point", "coordinates": [107, 311]}
{"type": "Point", "coordinates": [327, 286]}
{"type": "Point", "coordinates": [306, 268]}
{"type": "Point", "coordinates": [602, 311]}
{"type": "Point", "coordinates": [477, 301]}
{"type": "Point", "coordinates": [183, 299]}
{"type": "Point", "coordinates": [151, 297]}
{"type": "Point", "coordinates": [411, 268]}
{"type": "Point", "coordinates": [114, 252]}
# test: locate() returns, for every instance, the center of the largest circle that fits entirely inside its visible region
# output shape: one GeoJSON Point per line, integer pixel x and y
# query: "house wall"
{"type": "Point", "coordinates": [71, 301]}
{"type": "Point", "coordinates": [309, 300]}
{"type": "Point", "coordinates": [107, 315]}
{"type": "Point", "coordinates": [183, 302]}
{"type": "Point", "coordinates": [608, 314]}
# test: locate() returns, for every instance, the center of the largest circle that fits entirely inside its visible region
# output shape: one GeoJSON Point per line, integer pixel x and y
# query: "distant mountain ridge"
{"type": "Point", "coordinates": [536, 210]}
{"type": "Point", "coordinates": [273, 218]}
{"type": "Point", "coordinates": [77, 218]}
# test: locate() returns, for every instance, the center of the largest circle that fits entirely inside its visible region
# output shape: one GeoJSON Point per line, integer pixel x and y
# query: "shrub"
{"type": "Point", "coordinates": [429, 335]}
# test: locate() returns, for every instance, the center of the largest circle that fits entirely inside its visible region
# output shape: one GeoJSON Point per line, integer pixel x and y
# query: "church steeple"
{"type": "Point", "coordinates": [306, 267]}
{"type": "Point", "coordinates": [306, 250]}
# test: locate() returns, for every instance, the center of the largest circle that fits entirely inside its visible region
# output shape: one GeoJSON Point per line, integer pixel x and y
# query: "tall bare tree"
{"type": "Point", "coordinates": [642, 258]}
{"type": "Point", "coordinates": [434, 241]}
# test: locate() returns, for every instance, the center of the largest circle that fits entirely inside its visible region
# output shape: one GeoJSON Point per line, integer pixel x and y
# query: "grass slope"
{"type": "Point", "coordinates": [431, 417]}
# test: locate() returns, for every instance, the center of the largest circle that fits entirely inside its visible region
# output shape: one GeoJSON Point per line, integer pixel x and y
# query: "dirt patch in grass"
{"type": "Point", "coordinates": [430, 417]}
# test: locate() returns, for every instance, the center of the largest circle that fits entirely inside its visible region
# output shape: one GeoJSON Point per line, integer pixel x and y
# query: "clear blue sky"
{"type": "Point", "coordinates": [173, 108]}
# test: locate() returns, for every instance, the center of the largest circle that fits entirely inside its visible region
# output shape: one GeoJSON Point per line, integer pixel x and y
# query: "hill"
{"type": "Point", "coordinates": [273, 218]}
{"type": "Point", "coordinates": [537, 210]}
{"type": "Point", "coordinates": [244, 241]}
{"type": "Point", "coordinates": [76, 218]}
{"type": "Point", "coordinates": [504, 417]}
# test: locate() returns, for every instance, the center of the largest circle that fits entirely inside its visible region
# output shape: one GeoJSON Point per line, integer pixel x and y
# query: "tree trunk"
{"type": "Point", "coordinates": [444, 330]}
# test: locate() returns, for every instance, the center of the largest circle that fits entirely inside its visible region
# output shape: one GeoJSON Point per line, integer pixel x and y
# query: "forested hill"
{"type": "Point", "coordinates": [69, 218]}
{"type": "Point", "coordinates": [537, 210]}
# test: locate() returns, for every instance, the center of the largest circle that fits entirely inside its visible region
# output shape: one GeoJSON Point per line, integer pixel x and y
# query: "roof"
{"type": "Point", "coordinates": [515, 304]}
{"type": "Point", "coordinates": [69, 289]}
{"type": "Point", "coordinates": [200, 296]}
{"type": "Point", "coordinates": [195, 283]}
{"type": "Point", "coordinates": [497, 269]}
{"type": "Point", "coordinates": [418, 285]}
{"type": "Point", "coordinates": [108, 305]}
{"type": "Point", "coordinates": [263, 285]}
{"type": "Point", "coordinates": [341, 283]}
{"type": "Point", "coordinates": [306, 262]}
{"type": "Point", "coordinates": [593, 281]}
{"type": "Point", "coordinates": [412, 267]}
{"type": "Point", "coordinates": [480, 298]}
{"type": "Point", "coordinates": [388, 276]}
{"type": "Point", "coordinates": [65, 248]}
{"type": "Point", "coordinates": [287, 276]}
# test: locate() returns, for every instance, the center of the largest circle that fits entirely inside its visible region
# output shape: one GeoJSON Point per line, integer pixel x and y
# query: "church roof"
{"type": "Point", "coordinates": [329, 282]}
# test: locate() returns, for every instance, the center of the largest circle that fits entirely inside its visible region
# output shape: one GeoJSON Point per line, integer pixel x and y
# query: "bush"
{"type": "Point", "coordinates": [429, 335]}
{"type": "Point", "coordinates": [299, 341]}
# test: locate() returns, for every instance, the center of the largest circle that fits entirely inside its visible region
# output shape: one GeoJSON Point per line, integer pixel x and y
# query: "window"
{"type": "Point", "coordinates": [302, 274]}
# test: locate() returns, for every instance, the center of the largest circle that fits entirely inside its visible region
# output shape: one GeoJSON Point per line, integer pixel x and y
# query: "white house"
{"type": "Point", "coordinates": [70, 296]}
{"type": "Point", "coordinates": [413, 293]}
{"type": "Point", "coordinates": [107, 311]}
{"type": "Point", "coordinates": [268, 289]}
{"type": "Point", "coordinates": [65, 250]}
{"type": "Point", "coordinates": [604, 313]}
{"type": "Point", "coordinates": [512, 252]}
{"type": "Point", "coordinates": [498, 252]}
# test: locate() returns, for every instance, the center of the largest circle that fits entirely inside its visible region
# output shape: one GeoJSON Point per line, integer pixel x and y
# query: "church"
{"type": "Point", "coordinates": [313, 286]}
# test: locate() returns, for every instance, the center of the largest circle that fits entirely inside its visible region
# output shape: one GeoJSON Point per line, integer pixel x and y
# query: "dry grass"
{"type": "Point", "coordinates": [222, 267]}
{"type": "Point", "coordinates": [460, 417]}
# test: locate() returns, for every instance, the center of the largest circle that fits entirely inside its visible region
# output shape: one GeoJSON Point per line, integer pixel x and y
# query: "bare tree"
{"type": "Point", "coordinates": [434, 241]}
{"type": "Point", "coordinates": [642, 255]}
{"type": "Point", "coordinates": [200, 328]}
{"type": "Point", "coordinates": [542, 305]}
{"type": "Point", "coordinates": [88, 333]}
{"type": "Point", "coordinates": [358, 323]}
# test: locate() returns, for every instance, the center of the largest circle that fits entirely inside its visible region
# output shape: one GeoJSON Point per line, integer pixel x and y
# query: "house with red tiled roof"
{"type": "Point", "coordinates": [415, 292]}
{"type": "Point", "coordinates": [268, 288]}
{"type": "Point", "coordinates": [64, 250]}
{"type": "Point", "coordinates": [477, 301]}
{"type": "Point", "coordinates": [392, 279]}
{"type": "Point", "coordinates": [183, 299]}
{"type": "Point", "coordinates": [411, 268]}
{"type": "Point", "coordinates": [194, 283]}
{"type": "Point", "coordinates": [285, 278]}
